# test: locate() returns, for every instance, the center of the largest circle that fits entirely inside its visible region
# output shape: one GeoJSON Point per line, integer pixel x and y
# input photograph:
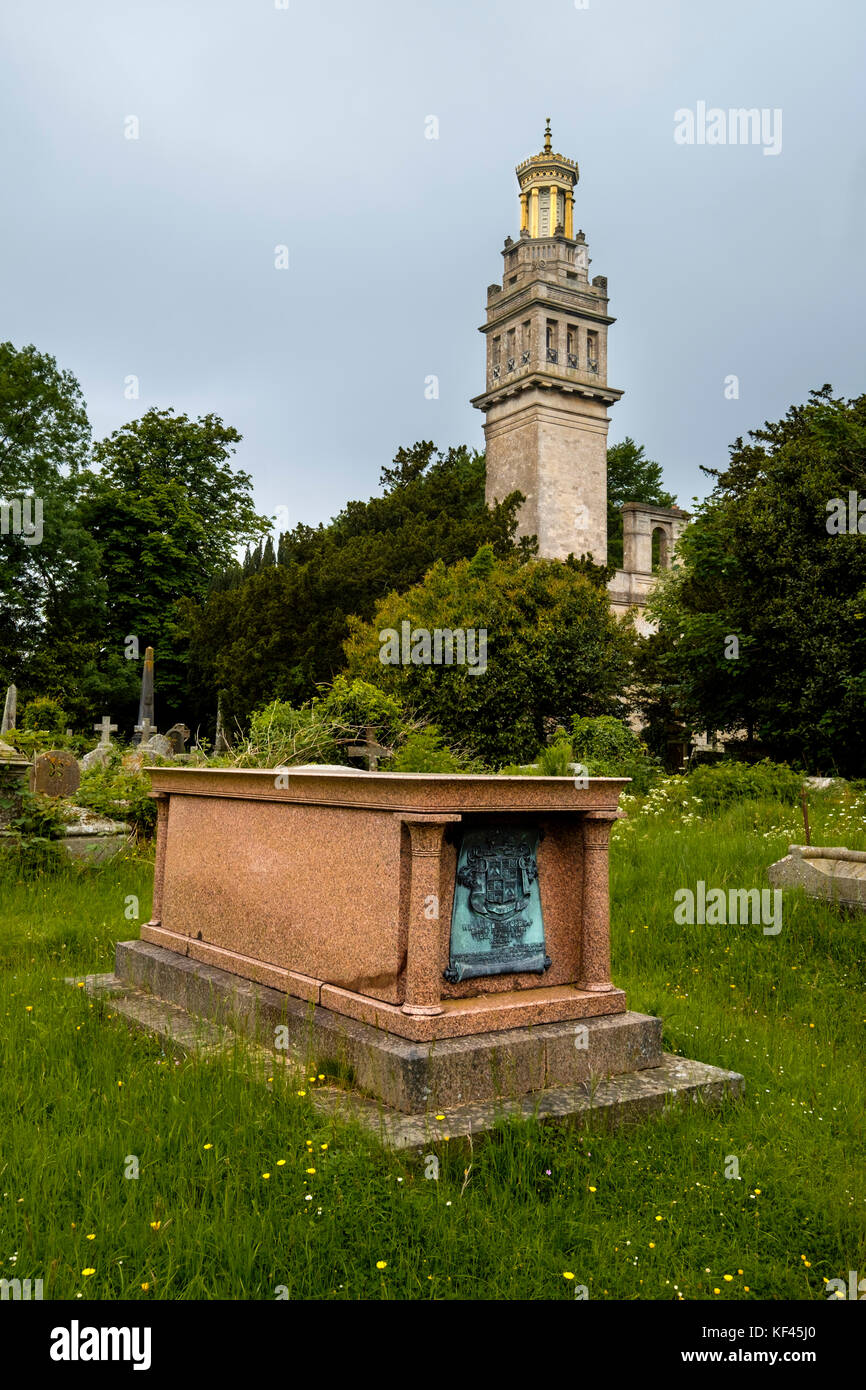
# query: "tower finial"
{"type": "Point", "coordinates": [547, 145]}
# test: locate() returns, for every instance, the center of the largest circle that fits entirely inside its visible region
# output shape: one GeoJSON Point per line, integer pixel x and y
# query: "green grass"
{"type": "Point", "coordinates": [645, 1213]}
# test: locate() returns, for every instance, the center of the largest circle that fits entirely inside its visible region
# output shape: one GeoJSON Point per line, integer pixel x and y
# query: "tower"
{"type": "Point", "coordinates": [547, 396]}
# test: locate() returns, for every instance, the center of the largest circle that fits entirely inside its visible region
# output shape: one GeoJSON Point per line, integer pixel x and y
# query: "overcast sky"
{"type": "Point", "coordinates": [261, 126]}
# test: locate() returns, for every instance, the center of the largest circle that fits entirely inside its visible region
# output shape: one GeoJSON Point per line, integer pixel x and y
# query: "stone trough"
{"type": "Point", "coordinates": [830, 873]}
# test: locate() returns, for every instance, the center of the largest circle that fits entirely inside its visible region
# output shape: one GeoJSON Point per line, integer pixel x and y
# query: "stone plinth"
{"type": "Point", "coordinates": [336, 887]}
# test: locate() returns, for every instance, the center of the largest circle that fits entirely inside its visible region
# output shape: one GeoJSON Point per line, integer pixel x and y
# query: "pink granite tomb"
{"type": "Point", "coordinates": [337, 887]}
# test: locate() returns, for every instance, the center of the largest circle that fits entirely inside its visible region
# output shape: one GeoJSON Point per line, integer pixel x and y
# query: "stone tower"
{"type": "Point", "coordinates": [547, 395]}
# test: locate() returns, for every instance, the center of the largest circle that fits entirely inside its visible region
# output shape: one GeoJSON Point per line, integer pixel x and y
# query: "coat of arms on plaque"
{"type": "Point", "coordinates": [496, 923]}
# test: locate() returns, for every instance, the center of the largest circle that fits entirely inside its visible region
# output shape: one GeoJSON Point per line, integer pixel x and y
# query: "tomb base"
{"type": "Point", "coordinates": [614, 1064]}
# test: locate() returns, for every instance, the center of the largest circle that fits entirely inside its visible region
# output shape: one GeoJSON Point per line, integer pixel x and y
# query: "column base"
{"type": "Point", "coordinates": [422, 1010]}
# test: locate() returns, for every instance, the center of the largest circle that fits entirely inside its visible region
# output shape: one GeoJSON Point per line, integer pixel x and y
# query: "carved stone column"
{"type": "Point", "coordinates": [595, 937]}
{"type": "Point", "coordinates": [162, 804]}
{"type": "Point", "coordinates": [423, 971]}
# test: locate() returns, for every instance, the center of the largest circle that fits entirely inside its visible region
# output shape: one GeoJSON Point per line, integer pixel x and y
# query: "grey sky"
{"type": "Point", "coordinates": [305, 126]}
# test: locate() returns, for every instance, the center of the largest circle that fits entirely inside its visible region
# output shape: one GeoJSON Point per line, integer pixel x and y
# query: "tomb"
{"type": "Point", "coordinates": [443, 939]}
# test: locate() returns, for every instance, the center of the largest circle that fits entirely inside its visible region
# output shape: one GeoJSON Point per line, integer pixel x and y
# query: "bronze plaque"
{"type": "Point", "coordinates": [496, 922]}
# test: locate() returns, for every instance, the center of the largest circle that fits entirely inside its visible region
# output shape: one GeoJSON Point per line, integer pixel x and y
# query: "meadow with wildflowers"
{"type": "Point", "coordinates": [245, 1191]}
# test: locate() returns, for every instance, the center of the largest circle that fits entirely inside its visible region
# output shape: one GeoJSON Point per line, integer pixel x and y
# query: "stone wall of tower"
{"type": "Point", "coordinates": [553, 448]}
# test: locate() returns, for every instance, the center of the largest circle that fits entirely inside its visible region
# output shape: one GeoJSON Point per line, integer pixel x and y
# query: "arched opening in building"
{"type": "Point", "coordinates": [661, 549]}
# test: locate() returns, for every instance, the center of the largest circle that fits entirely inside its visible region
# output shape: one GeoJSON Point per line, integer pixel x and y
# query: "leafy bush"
{"type": "Point", "coordinates": [322, 731]}
{"type": "Point", "coordinates": [28, 843]}
{"type": "Point", "coordinates": [557, 759]}
{"type": "Point", "coordinates": [607, 747]}
{"type": "Point", "coordinates": [280, 734]}
{"type": "Point", "coordinates": [732, 781]}
{"type": "Point", "coordinates": [356, 704]}
{"type": "Point", "coordinates": [119, 793]}
{"type": "Point", "coordinates": [425, 751]}
{"type": "Point", "coordinates": [45, 715]}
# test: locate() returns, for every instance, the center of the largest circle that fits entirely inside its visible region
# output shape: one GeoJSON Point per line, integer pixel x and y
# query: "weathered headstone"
{"type": "Point", "coordinates": [369, 750]}
{"type": "Point", "coordinates": [9, 710]}
{"type": "Point", "coordinates": [221, 743]}
{"type": "Point", "coordinates": [145, 730]}
{"type": "Point", "coordinates": [177, 736]}
{"type": "Point", "coordinates": [100, 756]}
{"type": "Point", "coordinates": [146, 714]}
{"type": "Point", "coordinates": [55, 773]}
{"type": "Point", "coordinates": [157, 745]}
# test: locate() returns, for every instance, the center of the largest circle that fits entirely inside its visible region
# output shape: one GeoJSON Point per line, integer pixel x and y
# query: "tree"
{"type": "Point", "coordinates": [44, 430]}
{"type": "Point", "coordinates": [553, 649]}
{"type": "Point", "coordinates": [50, 583]}
{"type": "Point", "coordinates": [277, 631]}
{"type": "Point", "coordinates": [168, 512]}
{"type": "Point", "coordinates": [631, 477]}
{"type": "Point", "coordinates": [763, 624]}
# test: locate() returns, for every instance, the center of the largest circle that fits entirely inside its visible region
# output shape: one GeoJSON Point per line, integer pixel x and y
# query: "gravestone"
{"type": "Point", "coordinates": [370, 751]}
{"type": "Point", "coordinates": [9, 710]}
{"type": "Point", "coordinates": [145, 730]}
{"type": "Point", "coordinates": [221, 743]}
{"type": "Point", "coordinates": [101, 754]}
{"type": "Point", "coordinates": [105, 729]}
{"type": "Point", "coordinates": [157, 745]}
{"type": "Point", "coordinates": [55, 773]}
{"type": "Point", "coordinates": [177, 736]}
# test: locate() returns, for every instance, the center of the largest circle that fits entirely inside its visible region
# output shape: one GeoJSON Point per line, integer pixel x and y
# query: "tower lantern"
{"type": "Point", "coordinates": [547, 183]}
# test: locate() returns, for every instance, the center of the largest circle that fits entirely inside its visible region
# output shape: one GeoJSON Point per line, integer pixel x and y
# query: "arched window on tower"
{"type": "Point", "coordinates": [551, 340]}
{"type": "Point", "coordinates": [661, 550]}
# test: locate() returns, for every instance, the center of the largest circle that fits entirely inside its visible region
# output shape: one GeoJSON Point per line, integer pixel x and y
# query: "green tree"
{"type": "Point", "coordinates": [631, 477]}
{"type": "Point", "coordinates": [763, 625]}
{"type": "Point", "coordinates": [168, 511]}
{"type": "Point", "coordinates": [44, 430]}
{"type": "Point", "coordinates": [50, 582]}
{"type": "Point", "coordinates": [552, 648]}
{"type": "Point", "coordinates": [277, 631]}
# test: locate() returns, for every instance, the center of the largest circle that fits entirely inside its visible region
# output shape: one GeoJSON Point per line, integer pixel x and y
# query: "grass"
{"type": "Point", "coordinates": [645, 1213]}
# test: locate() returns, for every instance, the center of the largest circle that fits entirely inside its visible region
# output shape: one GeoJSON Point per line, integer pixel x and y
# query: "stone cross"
{"type": "Point", "coordinates": [8, 721]}
{"type": "Point", "coordinates": [145, 728]}
{"type": "Point", "coordinates": [105, 729]}
{"type": "Point", "coordinates": [369, 750]}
